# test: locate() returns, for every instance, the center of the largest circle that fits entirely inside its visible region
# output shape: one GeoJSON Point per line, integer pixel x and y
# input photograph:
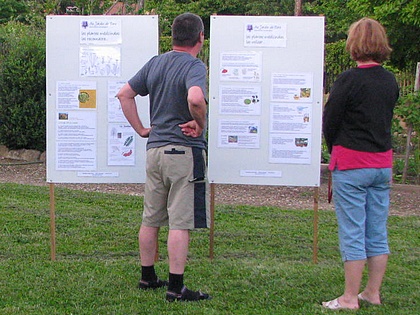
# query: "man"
{"type": "Point", "coordinates": [176, 190]}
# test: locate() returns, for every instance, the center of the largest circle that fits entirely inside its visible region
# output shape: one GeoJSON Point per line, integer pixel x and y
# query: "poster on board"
{"type": "Point", "coordinates": [265, 100]}
{"type": "Point", "coordinates": [89, 58]}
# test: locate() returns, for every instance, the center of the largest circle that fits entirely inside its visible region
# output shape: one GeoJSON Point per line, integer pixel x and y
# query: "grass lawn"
{"type": "Point", "coordinates": [262, 263]}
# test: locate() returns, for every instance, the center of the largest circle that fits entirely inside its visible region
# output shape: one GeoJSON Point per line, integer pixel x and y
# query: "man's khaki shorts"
{"type": "Point", "coordinates": [176, 190]}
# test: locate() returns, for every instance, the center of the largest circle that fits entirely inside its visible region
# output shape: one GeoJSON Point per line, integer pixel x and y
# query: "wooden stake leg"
{"type": "Point", "coordinates": [52, 221]}
{"type": "Point", "coordinates": [315, 249]}
{"type": "Point", "coordinates": [212, 197]}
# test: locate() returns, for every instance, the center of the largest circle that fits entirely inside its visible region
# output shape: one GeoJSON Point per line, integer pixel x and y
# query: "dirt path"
{"type": "Point", "coordinates": [405, 200]}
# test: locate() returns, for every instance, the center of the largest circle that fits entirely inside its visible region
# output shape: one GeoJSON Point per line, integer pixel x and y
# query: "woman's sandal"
{"type": "Point", "coordinates": [335, 305]}
{"type": "Point", "coordinates": [362, 298]}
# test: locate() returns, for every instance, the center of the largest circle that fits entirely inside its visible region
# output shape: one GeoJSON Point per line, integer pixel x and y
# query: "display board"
{"type": "Point", "coordinates": [265, 100]}
{"type": "Point", "coordinates": [89, 58]}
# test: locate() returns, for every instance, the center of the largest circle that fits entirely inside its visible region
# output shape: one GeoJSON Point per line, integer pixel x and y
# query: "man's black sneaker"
{"type": "Point", "coordinates": [151, 285]}
{"type": "Point", "coordinates": [186, 295]}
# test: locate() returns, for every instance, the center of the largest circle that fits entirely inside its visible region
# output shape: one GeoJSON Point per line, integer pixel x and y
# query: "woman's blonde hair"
{"type": "Point", "coordinates": [367, 40]}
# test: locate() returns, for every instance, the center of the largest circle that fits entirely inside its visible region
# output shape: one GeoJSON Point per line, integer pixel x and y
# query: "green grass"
{"type": "Point", "coordinates": [262, 264]}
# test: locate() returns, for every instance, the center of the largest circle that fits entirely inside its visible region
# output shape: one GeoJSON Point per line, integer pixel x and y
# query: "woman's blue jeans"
{"type": "Point", "coordinates": [361, 199]}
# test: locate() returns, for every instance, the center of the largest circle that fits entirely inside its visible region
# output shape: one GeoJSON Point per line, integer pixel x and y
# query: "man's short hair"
{"type": "Point", "coordinates": [367, 40]}
{"type": "Point", "coordinates": [186, 30]}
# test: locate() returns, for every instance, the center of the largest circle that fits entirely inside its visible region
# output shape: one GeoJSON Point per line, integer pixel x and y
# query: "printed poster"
{"type": "Point", "coordinates": [121, 145]}
{"type": "Point", "coordinates": [242, 66]}
{"type": "Point", "coordinates": [265, 35]}
{"type": "Point", "coordinates": [292, 87]}
{"type": "Point", "coordinates": [115, 113]}
{"type": "Point", "coordinates": [100, 61]}
{"type": "Point", "coordinates": [76, 140]}
{"type": "Point", "coordinates": [291, 118]}
{"type": "Point", "coordinates": [73, 95]}
{"type": "Point", "coordinates": [290, 148]}
{"type": "Point", "coordinates": [100, 31]}
{"type": "Point", "coordinates": [244, 134]}
{"type": "Point", "coordinates": [240, 100]}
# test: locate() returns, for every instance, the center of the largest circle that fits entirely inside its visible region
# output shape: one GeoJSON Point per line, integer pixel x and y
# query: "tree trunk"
{"type": "Point", "coordinates": [298, 7]}
{"type": "Point", "coordinates": [407, 153]}
{"type": "Point", "coordinates": [140, 4]}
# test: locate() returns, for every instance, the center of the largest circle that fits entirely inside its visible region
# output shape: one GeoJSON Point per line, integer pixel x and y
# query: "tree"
{"type": "Point", "coordinates": [298, 7]}
{"type": "Point", "coordinates": [89, 7]}
{"type": "Point", "coordinates": [84, 7]}
{"type": "Point", "coordinates": [338, 17]}
{"type": "Point", "coordinates": [169, 9]}
{"type": "Point", "coordinates": [402, 21]}
{"type": "Point", "coordinates": [401, 18]}
{"type": "Point", "coordinates": [408, 109]}
{"type": "Point", "coordinates": [12, 10]}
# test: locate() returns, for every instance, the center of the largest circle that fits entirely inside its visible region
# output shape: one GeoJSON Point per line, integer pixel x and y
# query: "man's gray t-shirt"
{"type": "Point", "coordinates": [166, 79]}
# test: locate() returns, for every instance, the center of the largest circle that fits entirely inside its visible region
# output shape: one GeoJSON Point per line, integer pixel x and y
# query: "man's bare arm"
{"type": "Point", "coordinates": [126, 96]}
{"type": "Point", "coordinates": [197, 106]}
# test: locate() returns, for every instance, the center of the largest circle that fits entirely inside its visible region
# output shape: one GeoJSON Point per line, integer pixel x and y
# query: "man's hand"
{"type": "Point", "coordinates": [145, 132]}
{"type": "Point", "coordinates": [191, 129]}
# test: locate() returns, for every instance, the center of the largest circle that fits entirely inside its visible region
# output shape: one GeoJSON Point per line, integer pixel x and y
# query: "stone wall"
{"type": "Point", "coordinates": [22, 155]}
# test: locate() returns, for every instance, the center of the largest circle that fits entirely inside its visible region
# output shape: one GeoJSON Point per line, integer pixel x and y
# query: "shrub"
{"type": "Point", "coordinates": [337, 59]}
{"type": "Point", "coordinates": [22, 87]}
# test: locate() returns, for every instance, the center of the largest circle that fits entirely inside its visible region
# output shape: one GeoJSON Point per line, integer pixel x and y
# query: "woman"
{"type": "Point", "coordinates": [357, 128]}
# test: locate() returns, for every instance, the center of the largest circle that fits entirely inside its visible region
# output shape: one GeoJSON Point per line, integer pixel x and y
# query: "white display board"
{"type": "Point", "coordinates": [265, 100]}
{"type": "Point", "coordinates": [88, 59]}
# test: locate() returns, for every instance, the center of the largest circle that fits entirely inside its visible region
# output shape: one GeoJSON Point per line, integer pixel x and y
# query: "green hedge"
{"type": "Point", "coordinates": [22, 87]}
{"type": "Point", "coordinates": [337, 59]}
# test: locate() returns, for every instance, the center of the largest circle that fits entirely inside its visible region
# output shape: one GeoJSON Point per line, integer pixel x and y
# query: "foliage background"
{"type": "Point", "coordinates": [22, 45]}
{"type": "Point", "coordinates": [22, 87]}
